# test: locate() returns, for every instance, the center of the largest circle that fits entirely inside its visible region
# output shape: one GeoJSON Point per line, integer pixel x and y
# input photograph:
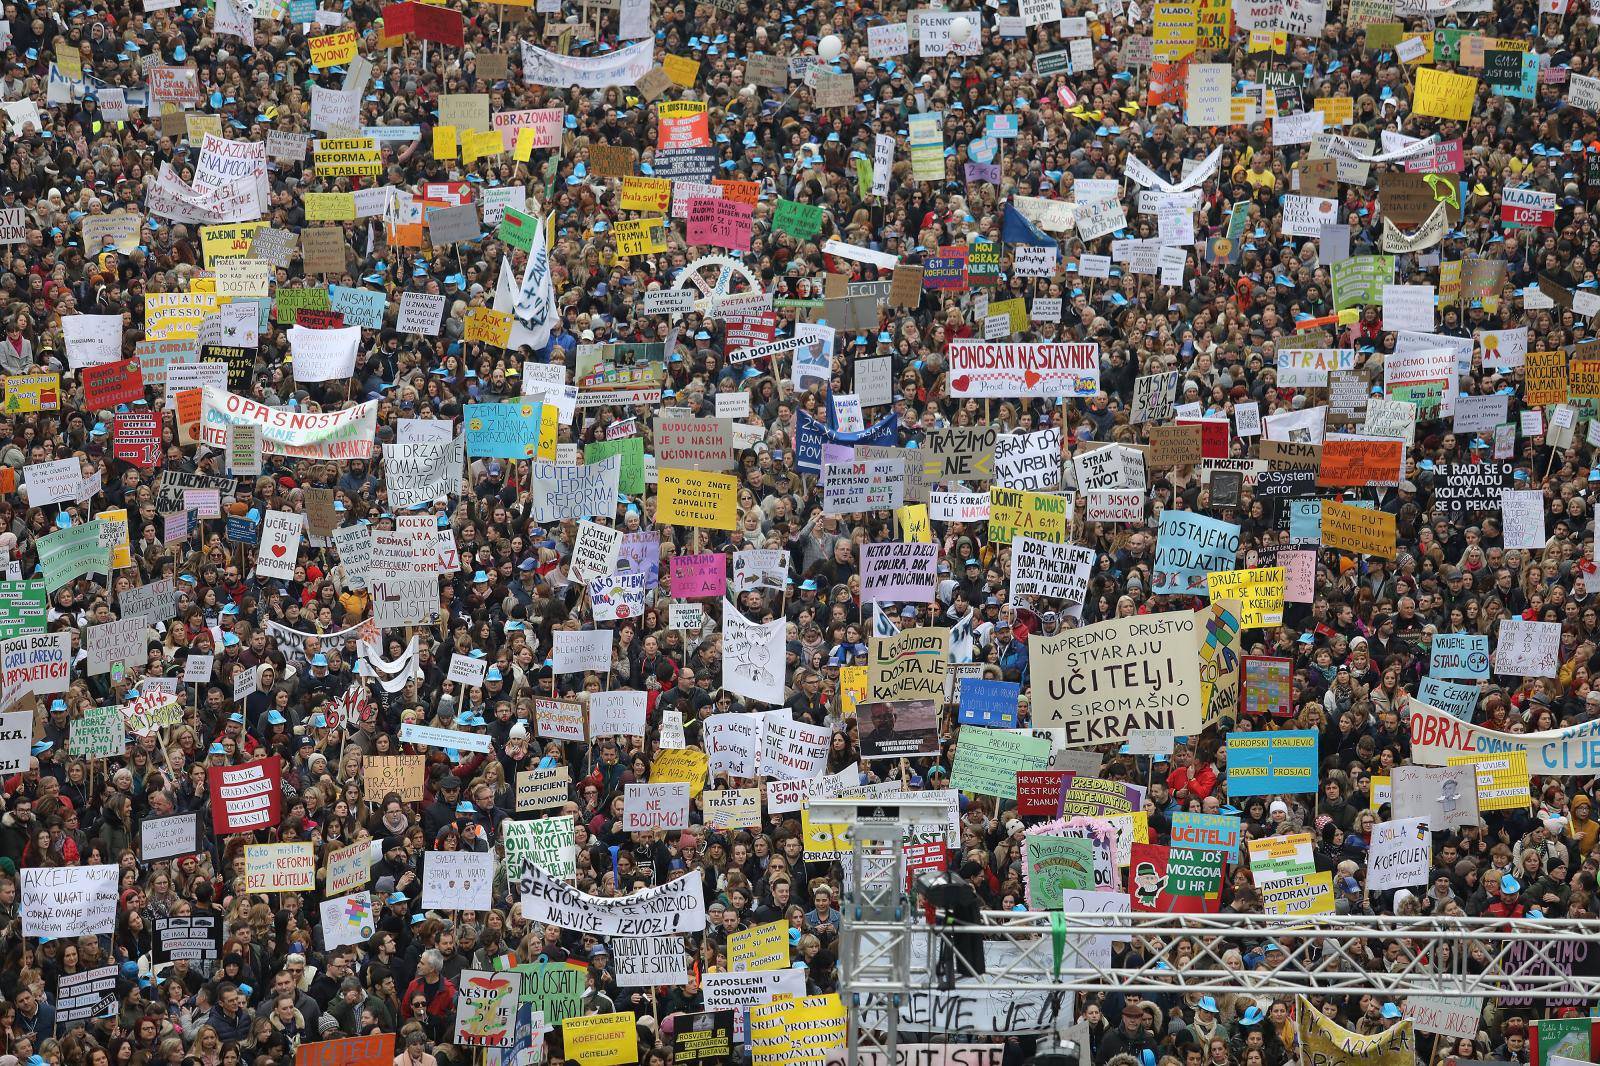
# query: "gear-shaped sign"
{"type": "Point", "coordinates": [696, 275]}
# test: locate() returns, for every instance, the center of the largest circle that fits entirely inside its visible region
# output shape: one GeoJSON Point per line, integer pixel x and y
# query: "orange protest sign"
{"type": "Point", "coordinates": [1360, 462]}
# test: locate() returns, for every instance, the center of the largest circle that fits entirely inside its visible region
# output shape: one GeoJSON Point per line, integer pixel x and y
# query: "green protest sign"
{"type": "Point", "coordinates": [798, 220]}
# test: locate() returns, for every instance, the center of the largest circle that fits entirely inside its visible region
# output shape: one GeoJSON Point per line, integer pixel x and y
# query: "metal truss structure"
{"type": "Point", "coordinates": [1389, 956]}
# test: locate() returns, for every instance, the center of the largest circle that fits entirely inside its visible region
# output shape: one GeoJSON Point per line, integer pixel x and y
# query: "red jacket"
{"type": "Point", "coordinates": [1200, 783]}
{"type": "Point", "coordinates": [1502, 909]}
{"type": "Point", "coordinates": [439, 1005]}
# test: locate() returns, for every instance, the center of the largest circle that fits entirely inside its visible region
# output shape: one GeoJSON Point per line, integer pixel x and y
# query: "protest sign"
{"type": "Point", "coordinates": [68, 901]}
{"type": "Point", "coordinates": [1401, 850]}
{"type": "Point", "coordinates": [245, 797]}
{"type": "Point", "coordinates": [1106, 679]}
{"type": "Point", "coordinates": [1264, 764]}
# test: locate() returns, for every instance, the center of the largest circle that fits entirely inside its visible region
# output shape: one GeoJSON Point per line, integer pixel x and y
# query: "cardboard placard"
{"type": "Point", "coordinates": [322, 249]}
{"type": "Point", "coordinates": [607, 161]}
{"type": "Point", "coordinates": [1174, 446]}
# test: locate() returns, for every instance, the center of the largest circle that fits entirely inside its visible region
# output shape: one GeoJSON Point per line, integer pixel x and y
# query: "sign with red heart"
{"type": "Point", "coordinates": [280, 544]}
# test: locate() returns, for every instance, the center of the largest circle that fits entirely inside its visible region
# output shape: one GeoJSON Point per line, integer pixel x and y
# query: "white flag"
{"type": "Point", "coordinates": [505, 301]}
{"type": "Point", "coordinates": [536, 302]}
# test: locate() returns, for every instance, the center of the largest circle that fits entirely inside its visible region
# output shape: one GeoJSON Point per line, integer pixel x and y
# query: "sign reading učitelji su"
{"type": "Point", "coordinates": [245, 797]}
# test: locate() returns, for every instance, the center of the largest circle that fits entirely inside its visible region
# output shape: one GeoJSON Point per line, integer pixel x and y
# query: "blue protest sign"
{"type": "Point", "coordinates": [989, 703]}
{"type": "Point", "coordinates": [1263, 764]}
{"type": "Point", "coordinates": [503, 430]}
{"type": "Point", "coordinates": [1459, 655]}
{"type": "Point", "coordinates": [1188, 546]}
{"type": "Point", "coordinates": [1453, 697]}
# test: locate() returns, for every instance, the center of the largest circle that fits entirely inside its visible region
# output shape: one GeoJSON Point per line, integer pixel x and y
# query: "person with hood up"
{"type": "Point", "coordinates": [1582, 829]}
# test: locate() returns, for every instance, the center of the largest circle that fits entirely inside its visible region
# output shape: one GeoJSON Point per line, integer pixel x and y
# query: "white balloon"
{"type": "Point", "coordinates": [829, 47]}
{"type": "Point", "coordinates": [960, 30]}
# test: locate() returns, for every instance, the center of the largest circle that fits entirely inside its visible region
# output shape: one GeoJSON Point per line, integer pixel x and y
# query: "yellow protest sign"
{"type": "Point", "coordinates": [1421, 52]}
{"type": "Point", "coordinates": [697, 498]}
{"type": "Point", "coordinates": [823, 840]}
{"type": "Point", "coordinates": [444, 142]}
{"type": "Point", "coordinates": [330, 207]}
{"type": "Point", "coordinates": [601, 1039]}
{"type": "Point", "coordinates": [1017, 513]}
{"type": "Point", "coordinates": [760, 947]}
{"type": "Point", "coordinates": [686, 765]}
{"type": "Point", "coordinates": [1336, 110]}
{"type": "Point", "coordinates": [1544, 378]}
{"type": "Point", "coordinates": [852, 687]}
{"type": "Point", "coordinates": [177, 316]}
{"type": "Point", "coordinates": [31, 393]}
{"type": "Point", "coordinates": [230, 241]}
{"type": "Point", "coordinates": [1176, 32]}
{"type": "Point", "coordinates": [646, 194]}
{"type": "Point", "coordinates": [1298, 894]}
{"type": "Point", "coordinates": [522, 151]}
{"type": "Point", "coordinates": [487, 326]}
{"type": "Point", "coordinates": [333, 49]}
{"type": "Point", "coordinates": [1268, 41]}
{"type": "Point", "coordinates": [790, 1030]}
{"type": "Point", "coordinates": [1015, 309]}
{"type": "Point", "coordinates": [122, 550]}
{"type": "Point", "coordinates": [480, 144]}
{"type": "Point", "coordinates": [347, 157]}
{"type": "Point", "coordinates": [1259, 590]}
{"type": "Point", "coordinates": [1323, 1040]}
{"type": "Point", "coordinates": [640, 236]}
{"type": "Point", "coordinates": [197, 124]}
{"type": "Point", "coordinates": [914, 523]}
{"type": "Point", "coordinates": [1502, 780]}
{"type": "Point", "coordinates": [1442, 94]}
{"type": "Point", "coordinates": [1361, 530]}
{"type": "Point", "coordinates": [549, 428]}
{"type": "Point", "coordinates": [69, 61]}
{"type": "Point", "coordinates": [1213, 23]}
{"type": "Point", "coordinates": [681, 69]}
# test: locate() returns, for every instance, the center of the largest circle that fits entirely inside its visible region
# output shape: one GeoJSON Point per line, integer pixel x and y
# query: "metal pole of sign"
{"type": "Point", "coordinates": [875, 966]}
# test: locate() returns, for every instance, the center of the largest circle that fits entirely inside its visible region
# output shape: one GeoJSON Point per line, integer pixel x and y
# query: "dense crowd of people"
{"type": "Point", "coordinates": [110, 201]}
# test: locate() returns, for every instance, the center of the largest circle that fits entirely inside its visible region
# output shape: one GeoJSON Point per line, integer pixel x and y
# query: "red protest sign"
{"type": "Point", "coordinates": [1213, 436]}
{"type": "Point", "coordinates": [245, 797]}
{"type": "Point", "coordinates": [136, 439]}
{"type": "Point", "coordinates": [313, 319]}
{"type": "Point", "coordinates": [1039, 792]}
{"type": "Point", "coordinates": [428, 23]}
{"type": "Point", "coordinates": [110, 384]}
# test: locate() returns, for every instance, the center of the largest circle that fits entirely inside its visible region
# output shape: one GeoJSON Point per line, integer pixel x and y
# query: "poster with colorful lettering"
{"type": "Point", "coordinates": [1175, 880]}
{"type": "Point", "coordinates": [486, 1007]}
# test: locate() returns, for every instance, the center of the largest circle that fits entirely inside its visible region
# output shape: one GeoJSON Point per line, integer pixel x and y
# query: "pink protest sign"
{"type": "Point", "coordinates": [698, 576]}
{"type": "Point", "coordinates": [720, 223]}
{"type": "Point", "coordinates": [1299, 575]}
